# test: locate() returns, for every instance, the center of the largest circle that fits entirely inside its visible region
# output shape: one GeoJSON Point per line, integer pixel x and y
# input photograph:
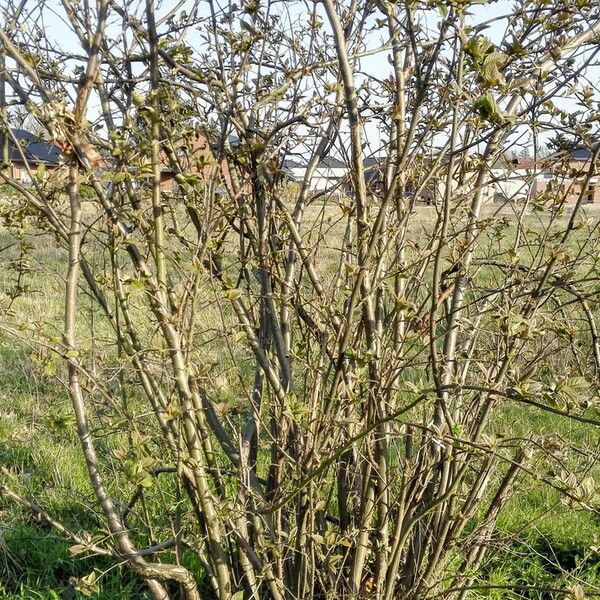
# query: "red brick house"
{"type": "Point", "coordinates": [555, 175]}
{"type": "Point", "coordinates": [570, 177]}
{"type": "Point", "coordinates": [196, 155]}
{"type": "Point", "coordinates": [27, 152]}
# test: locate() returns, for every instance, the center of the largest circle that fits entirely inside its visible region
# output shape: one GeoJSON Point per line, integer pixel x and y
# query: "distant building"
{"type": "Point", "coordinates": [510, 181]}
{"type": "Point", "coordinates": [569, 177]}
{"type": "Point", "coordinates": [374, 170]}
{"type": "Point", "coordinates": [556, 175]}
{"type": "Point", "coordinates": [330, 174]}
{"type": "Point", "coordinates": [26, 152]}
{"type": "Point", "coordinates": [197, 155]}
{"type": "Point", "coordinates": [293, 170]}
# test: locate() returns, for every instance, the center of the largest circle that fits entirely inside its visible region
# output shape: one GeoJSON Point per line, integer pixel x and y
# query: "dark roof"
{"type": "Point", "coordinates": [45, 152]}
{"type": "Point", "coordinates": [24, 136]}
{"type": "Point", "coordinates": [372, 162]}
{"type": "Point", "coordinates": [374, 168]}
{"type": "Point", "coordinates": [332, 163]}
{"type": "Point", "coordinates": [290, 163]}
{"type": "Point", "coordinates": [581, 154]}
{"type": "Point", "coordinates": [33, 149]}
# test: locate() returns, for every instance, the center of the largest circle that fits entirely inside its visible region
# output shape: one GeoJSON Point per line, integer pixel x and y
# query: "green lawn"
{"type": "Point", "coordinates": [538, 535]}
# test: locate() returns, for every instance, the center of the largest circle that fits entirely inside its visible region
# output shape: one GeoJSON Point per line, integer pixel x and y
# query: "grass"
{"type": "Point", "coordinates": [539, 538]}
{"type": "Point", "coordinates": [38, 565]}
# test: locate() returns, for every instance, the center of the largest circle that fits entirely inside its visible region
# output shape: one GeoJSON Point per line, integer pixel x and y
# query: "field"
{"type": "Point", "coordinates": [539, 538]}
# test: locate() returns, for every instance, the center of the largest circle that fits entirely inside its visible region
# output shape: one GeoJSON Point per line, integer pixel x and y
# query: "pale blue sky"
{"type": "Point", "coordinates": [59, 34]}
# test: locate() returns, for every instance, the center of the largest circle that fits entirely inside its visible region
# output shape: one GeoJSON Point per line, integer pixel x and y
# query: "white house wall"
{"type": "Point", "coordinates": [323, 178]}
{"type": "Point", "coordinates": [514, 184]}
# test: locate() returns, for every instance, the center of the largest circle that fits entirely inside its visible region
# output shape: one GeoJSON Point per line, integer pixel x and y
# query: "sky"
{"type": "Point", "coordinates": [376, 64]}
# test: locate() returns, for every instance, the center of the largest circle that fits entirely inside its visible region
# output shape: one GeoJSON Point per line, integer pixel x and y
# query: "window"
{"type": "Point", "coordinates": [591, 192]}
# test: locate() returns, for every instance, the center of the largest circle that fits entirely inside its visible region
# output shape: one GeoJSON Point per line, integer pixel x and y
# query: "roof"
{"type": "Point", "coordinates": [581, 154]}
{"type": "Point", "coordinates": [332, 163]}
{"type": "Point", "coordinates": [373, 162]}
{"type": "Point", "coordinates": [374, 168]}
{"type": "Point", "coordinates": [289, 163]}
{"type": "Point", "coordinates": [45, 152]}
{"type": "Point", "coordinates": [24, 136]}
{"type": "Point", "coordinates": [32, 148]}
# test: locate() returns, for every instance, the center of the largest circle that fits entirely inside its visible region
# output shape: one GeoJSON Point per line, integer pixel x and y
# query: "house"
{"type": "Point", "coordinates": [375, 173]}
{"type": "Point", "coordinates": [27, 152]}
{"type": "Point", "coordinates": [516, 180]}
{"type": "Point", "coordinates": [197, 155]}
{"type": "Point", "coordinates": [509, 181]}
{"type": "Point", "coordinates": [192, 159]}
{"type": "Point", "coordinates": [567, 178]}
{"type": "Point", "coordinates": [555, 176]}
{"type": "Point", "coordinates": [330, 174]}
{"type": "Point", "coordinates": [293, 170]}
{"type": "Point", "coordinates": [374, 170]}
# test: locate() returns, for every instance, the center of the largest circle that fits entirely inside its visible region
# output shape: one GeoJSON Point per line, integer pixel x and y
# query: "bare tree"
{"type": "Point", "coordinates": [310, 383]}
